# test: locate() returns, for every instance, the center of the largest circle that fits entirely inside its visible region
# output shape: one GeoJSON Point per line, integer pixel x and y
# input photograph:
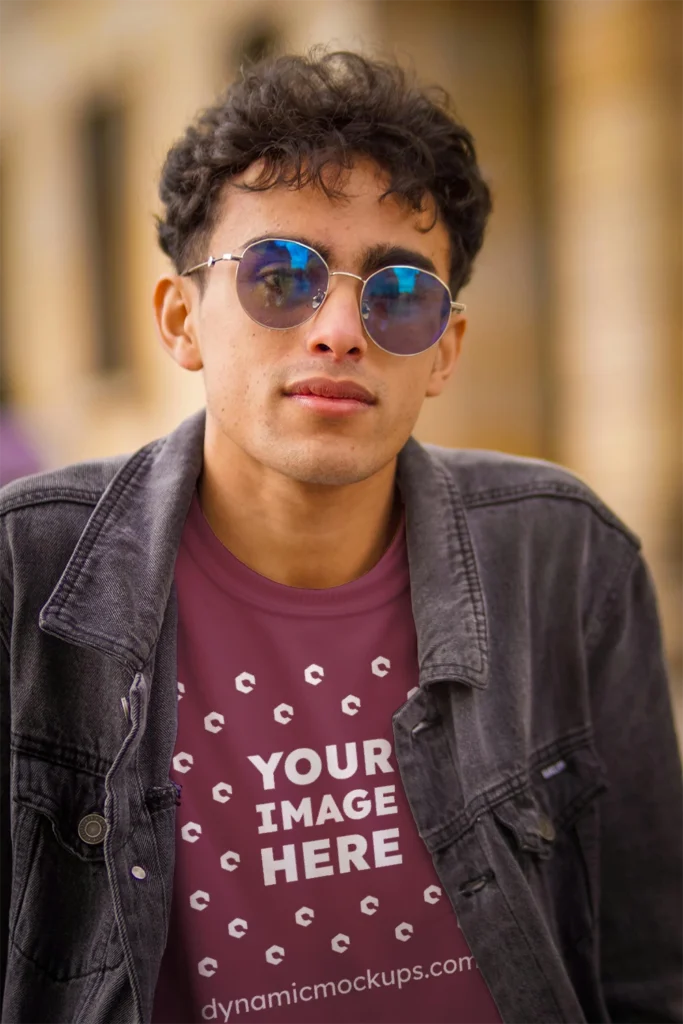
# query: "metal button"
{"type": "Point", "coordinates": [546, 828]}
{"type": "Point", "coordinates": [138, 872]}
{"type": "Point", "coordinates": [92, 829]}
{"type": "Point", "coordinates": [425, 723]}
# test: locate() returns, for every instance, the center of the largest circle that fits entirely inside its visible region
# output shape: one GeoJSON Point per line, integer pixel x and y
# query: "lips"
{"type": "Point", "coordinates": [323, 387]}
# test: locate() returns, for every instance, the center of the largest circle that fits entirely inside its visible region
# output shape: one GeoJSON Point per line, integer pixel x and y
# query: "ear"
{"type": "Point", "coordinates": [446, 356]}
{"type": "Point", "coordinates": [176, 304]}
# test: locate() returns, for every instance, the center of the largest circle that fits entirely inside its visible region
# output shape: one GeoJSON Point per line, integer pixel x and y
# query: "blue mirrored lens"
{"type": "Point", "coordinates": [280, 284]}
{"type": "Point", "coordinates": [405, 310]}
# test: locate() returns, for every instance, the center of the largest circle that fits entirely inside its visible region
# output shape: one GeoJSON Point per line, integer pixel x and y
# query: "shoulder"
{"type": "Point", "coordinates": [42, 517]}
{"type": "Point", "coordinates": [82, 483]}
{"type": "Point", "coordinates": [492, 479]}
{"type": "Point", "coordinates": [538, 530]}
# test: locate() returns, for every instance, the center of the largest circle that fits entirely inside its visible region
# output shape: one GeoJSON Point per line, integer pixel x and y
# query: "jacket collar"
{"type": "Point", "coordinates": [113, 594]}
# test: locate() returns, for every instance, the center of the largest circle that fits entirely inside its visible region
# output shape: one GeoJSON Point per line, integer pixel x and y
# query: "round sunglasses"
{"type": "Point", "coordinates": [281, 284]}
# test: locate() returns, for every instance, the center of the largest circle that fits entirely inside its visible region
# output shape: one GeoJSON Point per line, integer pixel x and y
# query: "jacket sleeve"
{"type": "Point", "coordinates": [5, 840]}
{"type": "Point", "coordinates": [641, 867]}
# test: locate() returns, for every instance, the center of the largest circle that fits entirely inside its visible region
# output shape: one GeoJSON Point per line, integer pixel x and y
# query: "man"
{"type": "Point", "coordinates": [310, 722]}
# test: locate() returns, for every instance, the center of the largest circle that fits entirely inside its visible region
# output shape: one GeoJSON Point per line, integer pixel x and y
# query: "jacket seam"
{"type": "Point", "coordinates": [563, 492]}
{"type": "Point", "coordinates": [461, 527]}
{"type": "Point", "coordinates": [498, 793]}
{"type": "Point", "coordinates": [59, 494]}
{"type": "Point", "coordinates": [531, 949]}
{"type": "Point", "coordinates": [5, 630]}
{"type": "Point", "coordinates": [610, 604]}
{"type": "Point", "coordinates": [49, 974]}
{"type": "Point", "coordinates": [126, 656]}
{"type": "Point", "coordinates": [125, 479]}
{"type": "Point", "coordinates": [65, 757]}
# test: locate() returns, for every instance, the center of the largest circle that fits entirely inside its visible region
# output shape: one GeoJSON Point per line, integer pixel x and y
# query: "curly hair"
{"type": "Point", "coordinates": [306, 116]}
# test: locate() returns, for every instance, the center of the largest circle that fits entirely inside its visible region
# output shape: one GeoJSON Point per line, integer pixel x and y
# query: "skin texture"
{"type": "Point", "coordinates": [303, 499]}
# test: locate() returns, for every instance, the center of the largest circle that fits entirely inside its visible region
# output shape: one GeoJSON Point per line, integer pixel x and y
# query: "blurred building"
{"type": "Point", "coordinates": [573, 350]}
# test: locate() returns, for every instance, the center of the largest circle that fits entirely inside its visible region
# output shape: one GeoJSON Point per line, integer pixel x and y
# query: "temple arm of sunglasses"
{"type": "Point", "coordinates": [458, 307]}
{"type": "Point", "coordinates": [210, 262]}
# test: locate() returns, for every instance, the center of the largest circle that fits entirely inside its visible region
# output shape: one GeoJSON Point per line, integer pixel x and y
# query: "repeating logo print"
{"type": "Point", "coordinates": [199, 900]}
{"type": "Point", "coordinates": [222, 792]}
{"type": "Point", "coordinates": [245, 682]}
{"type": "Point", "coordinates": [432, 894]}
{"type": "Point", "coordinates": [369, 905]}
{"type": "Point", "coordinates": [230, 860]}
{"type": "Point", "coordinates": [207, 967]}
{"type": "Point", "coordinates": [350, 705]}
{"type": "Point", "coordinates": [290, 769]}
{"type": "Point", "coordinates": [314, 674]}
{"type": "Point", "coordinates": [283, 713]}
{"type": "Point", "coordinates": [191, 832]}
{"type": "Point", "coordinates": [304, 916]}
{"type": "Point", "coordinates": [380, 667]}
{"type": "Point", "coordinates": [214, 722]}
{"type": "Point", "coordinates": [340, 943]}
{"type": "Point", "coordinates": [183, 762]}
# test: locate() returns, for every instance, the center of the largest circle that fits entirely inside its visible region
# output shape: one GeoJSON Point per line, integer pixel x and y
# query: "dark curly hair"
{"type": "Point", "coordinates": [304, 116]}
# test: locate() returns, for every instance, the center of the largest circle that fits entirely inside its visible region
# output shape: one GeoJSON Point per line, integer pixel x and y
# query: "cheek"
{"type": "Point", "coordinates": [238, 373]}
{"type": "Point", "coordinates": [411, 387]}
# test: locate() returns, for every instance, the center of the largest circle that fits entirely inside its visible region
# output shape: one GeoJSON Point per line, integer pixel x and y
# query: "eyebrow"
{"type": "Point", "coordinates": [373, 257]}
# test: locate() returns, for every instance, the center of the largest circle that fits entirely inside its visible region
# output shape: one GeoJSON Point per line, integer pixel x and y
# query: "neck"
{"type": "Point", "coordinates": [302, 535]}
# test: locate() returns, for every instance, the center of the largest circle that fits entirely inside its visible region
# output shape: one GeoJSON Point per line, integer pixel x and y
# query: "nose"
{"type": "Point", "coordinates": [337, 326]}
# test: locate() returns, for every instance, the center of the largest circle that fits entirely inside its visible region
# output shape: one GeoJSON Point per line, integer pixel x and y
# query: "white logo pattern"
{"type": "Point", "coordinates": [380, 667]}
{"type": "Point", "coordinates": [304, 916]}
{"type": "Point", "coordinates": [191, 832]}
{"type": "Point", "coordinates": [230, 861]}
{"type": "Point", "coordinates": [350, 705]}
{"type": "Point", "coordinates": [214, 722]}
{"type": "Point", "coordinates": [369, 905]}
{"type": "Point", "coordinates": [237, 928]}
{"type": "Point", "coordinates": [199, 900]}
{"type": "Point", "coordinates": [245, 682]}
{"type": "Point", "coordinates": [222, 791]}
{"type": "Point", "coordinates": [283, 713]}
{"type": "Point", "coordinates": [340, 943]}
{"type": "Point", "coordinates": [183, 762]}
{"type": "Point", "coordinates": [207, 967]}
{"type": "Point", "coordinates": [432, 894]}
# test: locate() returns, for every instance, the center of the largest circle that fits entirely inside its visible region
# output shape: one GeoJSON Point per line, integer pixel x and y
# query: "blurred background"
{"type": "Point", "coordinates": [573, 351]}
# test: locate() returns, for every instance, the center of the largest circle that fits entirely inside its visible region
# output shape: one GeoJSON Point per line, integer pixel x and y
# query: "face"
{"type": "Point", "coordinates": [252, 373]}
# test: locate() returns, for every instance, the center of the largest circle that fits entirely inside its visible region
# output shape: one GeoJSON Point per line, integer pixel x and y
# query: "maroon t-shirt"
{"type": "Point", "coordinates": [302, 891]}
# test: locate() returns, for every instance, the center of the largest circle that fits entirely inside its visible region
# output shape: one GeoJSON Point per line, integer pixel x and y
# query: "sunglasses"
{"type": "Point", "coordinates": [281, 284]}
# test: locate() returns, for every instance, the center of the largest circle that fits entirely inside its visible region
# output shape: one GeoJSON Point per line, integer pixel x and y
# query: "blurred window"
{"type": "Point", "coordinates": [104, 145]}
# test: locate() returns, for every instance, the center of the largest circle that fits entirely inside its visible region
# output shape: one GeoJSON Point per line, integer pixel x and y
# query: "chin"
{"type": "Point", "coordinates": [327, 468]}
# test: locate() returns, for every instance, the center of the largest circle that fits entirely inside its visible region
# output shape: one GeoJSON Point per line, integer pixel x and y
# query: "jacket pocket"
{"type": "Point", "coordinates": [552, 826]}
{"type": "Point", "coordinates": [61, 918]}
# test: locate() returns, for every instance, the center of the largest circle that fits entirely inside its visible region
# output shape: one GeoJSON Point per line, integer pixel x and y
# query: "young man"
{"type": "Point", "coordinates": [310, 722]}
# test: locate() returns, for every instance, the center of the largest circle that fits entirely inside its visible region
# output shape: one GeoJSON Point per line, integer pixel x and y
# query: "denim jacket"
{"type": "Point", "coordinates": [538, 754]}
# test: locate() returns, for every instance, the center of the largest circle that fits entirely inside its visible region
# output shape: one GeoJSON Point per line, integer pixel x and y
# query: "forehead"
{"type": "Point", "coordinates": [347, 226]}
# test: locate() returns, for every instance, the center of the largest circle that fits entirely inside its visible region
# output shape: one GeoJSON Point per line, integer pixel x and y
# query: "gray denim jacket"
{"type": "Point", "coordinates": [538, 755]}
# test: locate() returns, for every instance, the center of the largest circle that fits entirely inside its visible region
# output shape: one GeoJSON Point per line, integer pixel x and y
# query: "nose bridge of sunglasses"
{"type": "Point", "coordinates": [320, 297]}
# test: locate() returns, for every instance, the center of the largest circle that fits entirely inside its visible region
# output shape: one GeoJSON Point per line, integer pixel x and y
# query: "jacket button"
{"type": "Point", "coordinates": [92, 829]}
{"type": "Point", "coordinates": [546, 828]}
